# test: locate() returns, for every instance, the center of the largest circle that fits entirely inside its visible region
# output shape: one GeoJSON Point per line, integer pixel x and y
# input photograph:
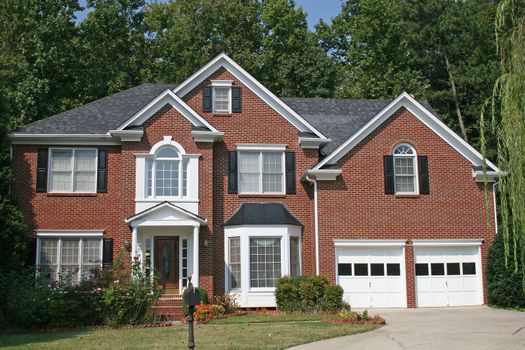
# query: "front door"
{"type": "Point", "coordinates": [167, 263]}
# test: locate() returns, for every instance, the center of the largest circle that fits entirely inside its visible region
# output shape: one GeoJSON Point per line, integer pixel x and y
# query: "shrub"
{"type": "Point", "coordinates": [307, 293]}
{"type": "Point", "coordinates": [228, 302]}
{"type": "Point", "coordinates": [206, 312]}
{"type": "Point", "coordinates": [505, 284]}
{"type": "Point", "coordinates": [333, 298]}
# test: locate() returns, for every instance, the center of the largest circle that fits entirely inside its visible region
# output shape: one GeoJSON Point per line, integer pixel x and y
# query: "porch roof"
{"type": "Point", "coordinates": [263, 214]}
{"type": "Point", "coordinates": [186, 214]}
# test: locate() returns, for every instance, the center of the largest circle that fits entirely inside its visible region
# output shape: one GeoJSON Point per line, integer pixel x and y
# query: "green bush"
{"type": "Point", "coordinates": [505, 284]}
{"type": "Point", "coordinates": [307, 293]}
{"type": "Point", "coordinates": [333, 298]}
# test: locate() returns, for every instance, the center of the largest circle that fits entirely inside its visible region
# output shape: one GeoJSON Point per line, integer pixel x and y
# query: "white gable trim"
{"type": "Point", "coordinates": [249, 81]}
{"type": "Point", "coordinates": [166, 97]}
{"type": "Point", "coordinates": [420, 112]}
{"type": "Point", "coordinates": [194, 218]}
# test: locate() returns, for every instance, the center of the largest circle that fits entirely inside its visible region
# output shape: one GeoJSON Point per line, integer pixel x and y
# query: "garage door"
{"type": "Point", "coordinates": [372, 277]}
{"type": "Point", "coordinates": [448, 276]}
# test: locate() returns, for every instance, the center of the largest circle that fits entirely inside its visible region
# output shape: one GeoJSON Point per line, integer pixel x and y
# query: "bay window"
{"type": "Point", "coordinates": [73, 170]}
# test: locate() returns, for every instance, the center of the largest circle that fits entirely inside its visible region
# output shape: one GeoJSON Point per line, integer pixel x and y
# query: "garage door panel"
{"type": "Point", "coordinates": [453, 277]}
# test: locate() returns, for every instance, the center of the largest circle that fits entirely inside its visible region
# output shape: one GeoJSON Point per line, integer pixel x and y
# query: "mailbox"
{"type": "Point", "coordinates": [192, 297]}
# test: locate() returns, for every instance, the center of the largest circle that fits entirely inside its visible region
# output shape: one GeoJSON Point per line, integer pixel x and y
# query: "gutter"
{"type": "Point", "coordinates": [316, 224]}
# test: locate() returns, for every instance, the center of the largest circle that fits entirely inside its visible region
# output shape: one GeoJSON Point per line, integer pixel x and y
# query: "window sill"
{"type": "Point", "coordinates": [51, 194]}
{"type": "Point", "coordinates": [221, 114]}
{"type": "Point", "coordinates": [261, 195]}
{"type": "Point", "coordinates": [407, 195]}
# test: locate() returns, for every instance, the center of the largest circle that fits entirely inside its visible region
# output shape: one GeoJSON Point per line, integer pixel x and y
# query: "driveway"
{"type": "Point", "coordinates": [464, 328]}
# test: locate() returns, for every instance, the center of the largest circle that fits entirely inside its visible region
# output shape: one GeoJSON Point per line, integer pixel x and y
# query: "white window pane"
{"type": "Point", "coordinates": [265, 261]}
{"type": "Point", "coordinates": [405, 184]}
{"type": "Point", "coordinates": [48, 259]}
{"type": "Point", "coordinates": [61, 160]}
{"type": "Point", "coordinates": [167, 178]}
{"type": "Point", "coordinates": [149, 177]}
{"type": "Point", "coordinates": [249, 162]}
{"type": "Point", "coordinates": [168, 152]}
{"type": "Point", "coordinates": [249, 183]}
{"type": "Point", "coordinates": [91, 258]}
{"type": "Point", "coordinates": [69, 265]}
{"type": "Point", "coordinates": [273, 163]}
{"type": "Point", "coordinates": [185, 164]}
{"type": "Point", "coordinates": [85, 181]}
{"type": "Point", "coordinates": [235, 262]}
{"type": "Point", "coordinates": [295, 265]}
{"type": "Point", "coordinates": [404, 166]}
{"type": "Point", "coordinates": [272, 183]}
{"type": "Point", "coordinates": [85, 160]}
{"type": "Point", "coordinates": [403, 149]}
{"type": "Point", "coordinates": [60, 181]}
{"type": "Point", "coordinates": [221, 99]}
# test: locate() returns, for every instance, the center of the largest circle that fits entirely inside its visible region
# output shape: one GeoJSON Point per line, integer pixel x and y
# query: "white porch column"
{"type": "Point", "coordinates": [195, 274]}
{"type": "Point", "coordinates": [134, 241]}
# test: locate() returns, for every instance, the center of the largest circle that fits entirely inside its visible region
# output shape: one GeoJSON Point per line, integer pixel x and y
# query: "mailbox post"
{"type": "Point", "coordinates": [192, 297]}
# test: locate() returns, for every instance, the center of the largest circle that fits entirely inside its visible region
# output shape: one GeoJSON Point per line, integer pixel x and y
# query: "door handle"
{"type": "Point", "coordinates": [369, 284]}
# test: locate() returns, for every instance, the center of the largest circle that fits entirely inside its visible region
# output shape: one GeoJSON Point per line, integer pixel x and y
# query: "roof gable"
{"type": "Point", "coordinates": [223, 61]}
{"type": "Point", "coordinates": [166, 211]}
{"type": "Point", "coordinates": [421, 113]}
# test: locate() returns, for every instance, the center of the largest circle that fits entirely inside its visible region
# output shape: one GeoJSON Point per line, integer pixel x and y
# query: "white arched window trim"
{"type": "Point", "coordinates": [403, 154]}
{"type": "Point", "coordinates": [179, 161]}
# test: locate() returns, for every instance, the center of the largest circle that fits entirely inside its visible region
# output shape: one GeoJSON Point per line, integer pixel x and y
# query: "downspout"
{"type": "Point", "coordinates": [316, 224]}
{"type": "Point", "coordinates": [495, 207]}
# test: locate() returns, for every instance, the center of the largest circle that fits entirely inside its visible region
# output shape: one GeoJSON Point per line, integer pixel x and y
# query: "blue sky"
{"type": "Point", "coordinates": [316, 9]}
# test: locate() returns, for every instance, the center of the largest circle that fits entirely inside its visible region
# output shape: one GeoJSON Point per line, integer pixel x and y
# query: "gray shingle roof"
{"type": "Point", "coordinates": [262, 214]}
{"type": "Point", "coordinates": [100, 116]}
{"type": "Point", "coordinates": [338, 119]}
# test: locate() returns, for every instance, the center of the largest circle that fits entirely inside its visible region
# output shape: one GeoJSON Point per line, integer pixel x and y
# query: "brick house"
{"type": "Point", "coordinates": [220, 179]}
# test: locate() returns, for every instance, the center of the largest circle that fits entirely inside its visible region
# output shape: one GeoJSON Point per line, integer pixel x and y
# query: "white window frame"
{"type": "Point", "coordinates": [73, 150]}
{"type": "Point", "coordinates": [222, 84]}
{"type": "Point", "coordinates": [299, 255]}
{"type": "Point", "coordinates": [154, 159]}
{"type": "Point", "coordinates": [262, 149]}
{"type": "Point", "coordinates": [416, 172]}
{"type": "Point", "coordinates": [229, 279]}
{"type": "Point", "coordinates": [60, 236]}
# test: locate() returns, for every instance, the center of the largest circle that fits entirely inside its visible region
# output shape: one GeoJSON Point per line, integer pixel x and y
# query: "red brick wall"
{"type": "Point", "coordinates": [355, 206]}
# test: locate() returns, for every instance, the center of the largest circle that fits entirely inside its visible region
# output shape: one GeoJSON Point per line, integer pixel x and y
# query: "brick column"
{"type": "Point", "coordinates": [410, 275]}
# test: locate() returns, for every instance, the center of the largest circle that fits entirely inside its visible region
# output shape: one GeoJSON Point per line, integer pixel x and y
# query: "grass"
{"type": "Point", "coordinates": [241, 332]}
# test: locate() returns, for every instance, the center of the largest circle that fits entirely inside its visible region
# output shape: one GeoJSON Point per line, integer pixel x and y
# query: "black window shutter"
{"type": "Point", "coordinates": [102, 175]}
{"type": "Point", "coordinates": [236, 100]}
{"type": "Point", "coordinates": [388, 165]}
{"type": "Point", "coordinates": [41, 171]}
{"type": "Point", "coordinates": [424, 183]}
{"type": "Point", "coordinates": [232, 173]}
{"type": "Point", "coordinates": [107, 252]}
{"type": "Point", "coordinates": [290, 172]}
{"type": "Point", "coordinates": [206, 99]}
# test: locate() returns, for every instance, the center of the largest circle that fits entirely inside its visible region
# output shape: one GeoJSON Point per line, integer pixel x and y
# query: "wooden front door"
{"type": "Point", "coordinates": [167, 263]}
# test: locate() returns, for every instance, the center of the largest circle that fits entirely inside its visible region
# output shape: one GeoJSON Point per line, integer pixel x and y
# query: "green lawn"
{"type": "Point", "coordinates": [241, 332]}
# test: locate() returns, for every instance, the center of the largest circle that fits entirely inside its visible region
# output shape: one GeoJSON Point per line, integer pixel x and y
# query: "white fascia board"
{"type": "Point", "coordinates": [128, 135]}
{"type": "Point", "coordinates": [312, 142]}
{"type": "Point", "coordinates": [492, 176]}
{"type": "Point", "coordinates": [249, 81]}
{"type": "Point", "coordinates": [166, 97]}
{"type": "Point", "coordinates": [63, 139]}
{"type": "Point", "coordinates": [324, 174]}
{"type": "Point", "coordinates": [222, 83]}
{"type": "Point", "coordinates": [446, 242]}
{"type": "Point", "coordinates": [69, 233]}
{"type": "Point", "coordinates": [260, 147]}
{"type": "Point", "coordinates": [192, 216]}
{"type": "Point", "coordinates": [207, 136]}
{"type": "Point", "coordinates": [369, 243]}
{"type": "Point", "coordinates": [420, 112]}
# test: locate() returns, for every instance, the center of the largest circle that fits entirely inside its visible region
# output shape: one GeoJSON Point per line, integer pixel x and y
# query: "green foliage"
{"type": "Point", "coordinates": [227, 302]}
{"type": "Point", "coordinates": [204, 299]}
{"type": "Point", "coordinates": [308, 293]}
{"type": "Point", "coordinates": [505, 282]}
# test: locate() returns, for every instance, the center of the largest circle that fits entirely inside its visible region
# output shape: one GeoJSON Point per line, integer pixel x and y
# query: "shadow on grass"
{"type": "Point", "coordinates": [33, 338]}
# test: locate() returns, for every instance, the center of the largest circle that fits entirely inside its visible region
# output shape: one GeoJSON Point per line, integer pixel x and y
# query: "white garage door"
{"type": "Point", "coordinates": [448, 276]}
{"type": "Point", "coordinates": [372, 276]}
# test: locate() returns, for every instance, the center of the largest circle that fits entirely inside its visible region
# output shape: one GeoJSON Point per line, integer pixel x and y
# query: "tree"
{"type": "Point", "coordinates": [508, 124]}
{"type": "Point", "coordinates": [186, 34]}
{"type": "Point", "coordinates": [367, 39]}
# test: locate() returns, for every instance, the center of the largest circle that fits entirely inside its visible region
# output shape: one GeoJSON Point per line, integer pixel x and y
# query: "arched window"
{"type": "Point", "coordinates": [166, 173]}
{"type": "Point", "coordinates": [405, 169]}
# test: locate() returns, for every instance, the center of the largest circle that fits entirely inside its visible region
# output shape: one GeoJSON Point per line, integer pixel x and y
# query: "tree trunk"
{"type": "Point", "coordinates": [455, 95]}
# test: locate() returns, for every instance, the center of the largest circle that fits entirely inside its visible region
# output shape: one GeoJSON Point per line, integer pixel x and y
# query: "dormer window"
{"type": "Point", "coordinates": [166, 174]}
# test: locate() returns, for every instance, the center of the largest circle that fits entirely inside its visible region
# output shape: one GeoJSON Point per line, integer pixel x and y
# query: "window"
{"type": "Point", "coordinates": [361, 269]}
{"type": "Point", "coordinates": [235, 262]}
{"type": "Point", "coordinates": [295, 264]}
{"type": "Point", "coordinates": [166, 174]}
{"type": "Point", "coordinates": [344, 269]}
{"type": "Point", "coordinates": [421, 269]}
{"type": "Point", "coordinates": [265, 261]}
{"type": "Point", "coordinates": [73, 170]}
{"type": "Point", "coordinates": [261, 172]}
{"type": "Point", "coordinates": [221, 99]}
{"type": "Point", "coordinates": [453, 269]}
{"type": "Point", "coordinates": [377, 269]}
{"type": "Point", "coordinates": [69, 258]}
{"type": "Point", "coordinates": [437, 269]}
{"type": "Point", "coordinates": [184, 263]}
{"type": "Point", "coordinates": [469, 268]}
{"type": "Point", "coordinates": [405, 180]}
